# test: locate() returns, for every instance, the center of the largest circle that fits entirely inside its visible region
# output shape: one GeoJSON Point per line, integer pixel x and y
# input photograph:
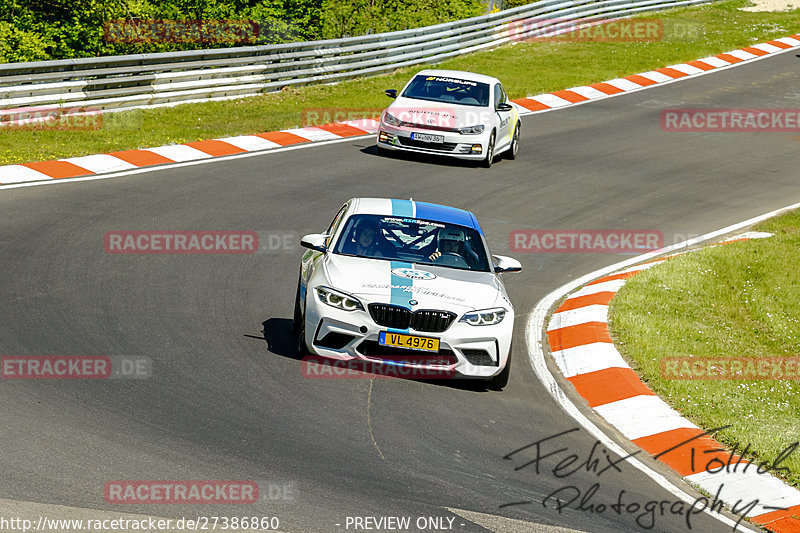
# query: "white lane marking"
{"type": "Point", "coordinates": [535, 341]}
{"type": "Point", "coordinates": [588, 92]}
{"type": "Point", "coordinates": [179, 152]}
{"type": "Point", "coordinates": [100, 163]}
{"type": "Point", "coordinates": [313, 134]}
{"type": "Point", "coordinates": [367, 124]}
{"type": "Point", "coordinates": [639, 268]}
{"type": "Point", "coordinates": [791, 41]}
{"type": "Point", "coordinates": [575, 317]}
{"type": "Point", "coordinates": [715, 62]}
{"type": "Point", "coordinates": [550, 100]}
{"type": "Point", "coordinates": [249, 142]}
{"type": "Point", "coordinates": [588, 358]}
{"type": "Point", "coordinates": [741, 54]}
{"type": "Point", "coordinates": [657, 77]}
{"type": "Point", "coordinates": [747, 485]}
{"type": "Point", "coordinates": [607, 286]}
{"type": "Point", "coordinates": [766, 47]}
{"type": "Point", "coordinates": [687, 69]}
{"type": "Point", "coordinates": [20, 173]}
{"type": "Point", "coordinates": [625, 85]}
{"type": "Point", "coordinates": [642, 416]}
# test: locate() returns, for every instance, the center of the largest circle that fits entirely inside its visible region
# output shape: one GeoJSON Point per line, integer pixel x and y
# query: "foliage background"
{"type": "Point", "coordinates": [36, 30]}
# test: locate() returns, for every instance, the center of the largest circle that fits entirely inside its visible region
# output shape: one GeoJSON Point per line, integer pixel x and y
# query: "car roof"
{"type": "Point", "coordinates": [464, 75]}
{"type": "Point", "coordinates": [414, 209]}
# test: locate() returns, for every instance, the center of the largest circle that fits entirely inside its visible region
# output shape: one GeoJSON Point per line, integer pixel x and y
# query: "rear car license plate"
{"type": "Point", "coordinates": [425, 137]}
{"type": "Point", "coordinates": [412, 342]}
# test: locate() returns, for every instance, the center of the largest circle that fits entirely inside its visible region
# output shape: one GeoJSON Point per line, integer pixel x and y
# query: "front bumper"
{"type": "Point", "coordinates": [454, 144]}
{"type": "Point", "coordinates": [464, 350]}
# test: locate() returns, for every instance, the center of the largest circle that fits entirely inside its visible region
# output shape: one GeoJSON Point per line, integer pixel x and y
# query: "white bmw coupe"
{"type": "Point", "coordinates": [406, 283]}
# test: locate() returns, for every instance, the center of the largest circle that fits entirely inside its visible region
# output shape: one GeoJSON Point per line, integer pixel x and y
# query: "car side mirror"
{"type": "Point", "coordinates": [315, 241]}
{"type": "Point", "coordinates": [391, 93]}
{"type": "Point", "coordinates": [506, 264]}
{"type": "Point", "coordinates": [504, 106]}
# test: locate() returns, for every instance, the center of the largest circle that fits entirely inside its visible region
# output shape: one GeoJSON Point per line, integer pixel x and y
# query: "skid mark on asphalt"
{"type": "Point", "coordinates": [369, 420]}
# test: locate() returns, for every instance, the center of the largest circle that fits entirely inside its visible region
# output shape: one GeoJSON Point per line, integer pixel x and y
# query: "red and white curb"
{"type": "Point", "coordinates": [178, 153]}
{"type": "Point", "coordinates": [584, 353]}
{"type": "Point", "coordinates": [635, 82]}
{"type": "Point", "coordinates": [133, 159]}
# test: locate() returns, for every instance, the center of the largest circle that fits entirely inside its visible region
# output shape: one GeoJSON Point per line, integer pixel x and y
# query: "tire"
{"type": "Point", "coordinates": [299, 325]}
{"type": "Point", "coordinates": [513, 150]}
{"type": "Point", "coordinates": [489, 159]}
{"type": "Point", "coordinates": [499, 381]}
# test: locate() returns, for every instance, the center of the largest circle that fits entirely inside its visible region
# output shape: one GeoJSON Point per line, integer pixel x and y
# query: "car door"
{"type": "Point", "coordinates": [503, 118]}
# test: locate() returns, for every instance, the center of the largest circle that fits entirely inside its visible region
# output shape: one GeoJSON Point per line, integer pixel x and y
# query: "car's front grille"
{"type": "Point", "coordinates": [442, 147]}
{"type": "Point", "coordinates": [433, 321]}
{"type": "Point", "coordinates": [390, 316]}
{"type": "Point", "coordinates": [394, 316]}
{"type": "Point", "coordinates": [478, 357]}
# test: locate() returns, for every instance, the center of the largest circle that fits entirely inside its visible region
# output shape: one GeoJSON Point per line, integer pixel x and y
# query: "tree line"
{"type": "Point", "coordinates": [38, 30]}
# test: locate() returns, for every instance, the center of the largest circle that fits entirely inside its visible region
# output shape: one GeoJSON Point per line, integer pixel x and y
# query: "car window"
{"type": "Point", "coordinates": [499, 95]}
{"type": "Point", "coordinates": [413, 240]}
{"type": "Point", "coordinates": [449, 90]}
{"type": "Point", "coordinates": [334, 224]}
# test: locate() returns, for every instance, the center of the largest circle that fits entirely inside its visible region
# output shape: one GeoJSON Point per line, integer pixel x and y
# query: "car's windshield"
{"type": "Point", "coordinates": [413, 240]}
{"type": "Point", "coordinates": [450, 90]}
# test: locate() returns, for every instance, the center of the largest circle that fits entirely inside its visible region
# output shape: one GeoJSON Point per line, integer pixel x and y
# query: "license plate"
{"type": "Point", "coordinates": [412, 342]}
{"type": "Point", "coordinates": [424, 137]}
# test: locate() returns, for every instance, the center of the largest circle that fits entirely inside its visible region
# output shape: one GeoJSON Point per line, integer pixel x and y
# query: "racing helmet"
{"type": "Point", "coordinates": [450, 234]}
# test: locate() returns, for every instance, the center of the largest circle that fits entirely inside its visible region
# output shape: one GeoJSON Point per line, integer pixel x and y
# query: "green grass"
{"type": "Point", "coordinates": [740, 299]}
{"type": "Point", "coordinates": [526, 68]}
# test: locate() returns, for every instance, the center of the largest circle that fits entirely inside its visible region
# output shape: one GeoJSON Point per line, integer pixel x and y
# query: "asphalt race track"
{"type": "Point", "coordinates": [226, 399]}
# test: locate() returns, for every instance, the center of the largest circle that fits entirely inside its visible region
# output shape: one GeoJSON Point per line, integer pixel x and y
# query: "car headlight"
{"type": "Point", "coordinates": [485, 317]}
{"type": "Point", "coordinates": [471, 130]}
{"type": "Point", "coordinates": [338, 299]}
{"type": "Point", "coordinates": [390, 120]}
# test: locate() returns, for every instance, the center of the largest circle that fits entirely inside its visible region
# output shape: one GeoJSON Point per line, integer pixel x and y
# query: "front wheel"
{"type": "Point", "coordinates": [489, 159]}
{"type": "Point", "coordinates": [514, 148]}
{"type": "Point", "coordinates": [299, 325]}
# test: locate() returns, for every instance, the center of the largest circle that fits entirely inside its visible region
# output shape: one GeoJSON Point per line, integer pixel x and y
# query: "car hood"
{"type": "Point", "coordinates": [380, 280]}
{"type": "Point", "coordinates": [440, 114]}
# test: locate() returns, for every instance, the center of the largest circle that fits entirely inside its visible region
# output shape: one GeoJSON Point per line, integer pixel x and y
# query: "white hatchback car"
{"type": "Point", "coordinates": [451, 113]}
{"type": "Point", "coordinates": [406, 283]}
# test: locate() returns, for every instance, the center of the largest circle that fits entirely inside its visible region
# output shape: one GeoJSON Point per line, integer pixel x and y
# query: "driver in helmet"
{"type": "Point", "coordinates": [448, 241]}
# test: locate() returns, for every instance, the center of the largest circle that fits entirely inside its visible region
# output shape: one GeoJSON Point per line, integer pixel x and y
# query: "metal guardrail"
{"type": "Point", "coordinates": [115, 83]}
